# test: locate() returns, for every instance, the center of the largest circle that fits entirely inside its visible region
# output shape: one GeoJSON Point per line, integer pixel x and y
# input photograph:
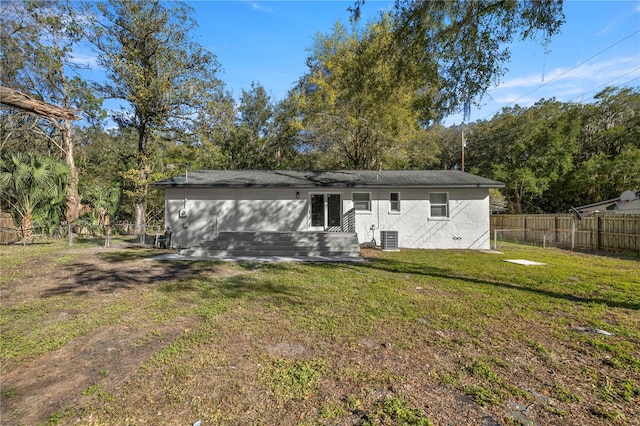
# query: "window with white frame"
{"type": "Point", "coordinates": [439, 202]}
{"type": "Point", "coordinates": [394, 201]}
{"type": "Point", "coordinates": [362, 201]}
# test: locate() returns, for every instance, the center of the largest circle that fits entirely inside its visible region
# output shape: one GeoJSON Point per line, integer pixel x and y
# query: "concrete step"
{"type": "Point", "coordinates": [285, 236]}
{"type": "Point", "coordinates": [275, 245]}
{"type": "Point", "coordinates": [278, 244]}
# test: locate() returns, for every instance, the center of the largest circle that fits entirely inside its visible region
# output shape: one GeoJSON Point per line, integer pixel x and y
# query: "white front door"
{"type": "Point", "coordinates": [326, 212]}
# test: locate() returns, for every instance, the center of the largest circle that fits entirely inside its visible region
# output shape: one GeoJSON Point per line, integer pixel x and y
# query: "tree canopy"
{"type": "Point", "coordinates": [453, 51]}
{"type": "Point", "coordinates": [354, 113]}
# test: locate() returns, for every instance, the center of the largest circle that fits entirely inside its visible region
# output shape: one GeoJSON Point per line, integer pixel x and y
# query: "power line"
{"type": "Point", "coordinates": [568, 71]}
{"type": "Point", "coordinates": [608, 82]}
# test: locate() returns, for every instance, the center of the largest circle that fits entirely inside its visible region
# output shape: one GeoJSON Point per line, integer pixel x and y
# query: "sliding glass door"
{"type": "Point", "coordinates": [326, 212]}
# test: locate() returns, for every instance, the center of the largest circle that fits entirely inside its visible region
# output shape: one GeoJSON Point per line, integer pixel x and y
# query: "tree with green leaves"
{"type": "Point", "coordinates": [251, 144]}
{"type": "Point", "coordinates": [529, 149]}
{"type": "Point", "coordinates": [155, 67]}
{"type": "Point", "coordinates": [354, 114]}
{"type": "Point", "coordinates": [453, 51]}
{"type": "Point", "coordinates": [36, 58]}
{"type": "Point", "coordinates": [608, 159]}
{"type": "Point", "coordinates": [34, 187]}
{"type": "Point", "coordinates": [287, 126]}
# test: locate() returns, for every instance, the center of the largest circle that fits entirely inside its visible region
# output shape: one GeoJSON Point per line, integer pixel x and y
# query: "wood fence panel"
{"type": "Point", "coordinates": [8, 232]}
{"type": "Point", "coordinates": [623, 232]}
{"type": "Point", "coordinates": [609, 233]}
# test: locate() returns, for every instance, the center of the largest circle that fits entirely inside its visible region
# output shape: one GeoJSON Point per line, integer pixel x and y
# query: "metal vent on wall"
{"type": "Point", "coordinates": [389, 240]}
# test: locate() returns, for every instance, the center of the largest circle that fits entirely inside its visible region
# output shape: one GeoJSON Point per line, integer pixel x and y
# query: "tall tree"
{"type": "Point", "coordinates": [529, 149]}
{"type": "Point", "coordinates": [161, 73]}
{"type": "Point", "coordinates": [37, 39]}
{"type": "Point", "coordinates": [354, 113]}
{"type": "Point", "coordinates": [287, 125]}
{"type": "Point", "coordinates": [251, 145]}
{"type": "Point", "coordinates": [608, 160]}
{"type": "Point", "coordinates": [454, 50]}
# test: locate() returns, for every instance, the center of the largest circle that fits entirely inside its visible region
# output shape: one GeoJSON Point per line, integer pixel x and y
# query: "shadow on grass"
{"type": "Point", "coordinates": [86, 278]}
{"type": "Point", "coordinates": [121, 271]}
{"type": "Point", "coordinates": [393, 266]}
{"type": "Point", "coordinates": [244, 286]}
{"type": "Point", "coordinates": [130, 254]}
{"type": "Point", "coordinates": [127, 269]}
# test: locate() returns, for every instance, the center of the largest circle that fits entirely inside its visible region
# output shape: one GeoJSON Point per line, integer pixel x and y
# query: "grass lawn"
{"type": "Point", "coordinates": [105, 336]}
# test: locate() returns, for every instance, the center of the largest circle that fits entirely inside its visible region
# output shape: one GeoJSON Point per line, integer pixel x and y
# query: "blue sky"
{"type": "Point", "coordinates": [268, 42]}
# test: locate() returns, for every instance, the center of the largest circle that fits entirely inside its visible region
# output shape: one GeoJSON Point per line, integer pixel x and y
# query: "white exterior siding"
{"type": "Point", "coordinates": [244, 209]}
{"type": "Point", "coordinates": [274, 209]}
{"type": "Point", "coordinates": [467, 226]}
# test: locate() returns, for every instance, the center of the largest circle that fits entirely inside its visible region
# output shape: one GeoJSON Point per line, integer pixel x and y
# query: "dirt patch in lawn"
{"type": "Point", "coordinates": [62, 379]}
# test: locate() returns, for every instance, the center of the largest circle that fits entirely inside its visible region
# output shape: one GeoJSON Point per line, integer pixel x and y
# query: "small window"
{"type": "Point", "coordinates": [362, 201]}
{"type": "Point", "coordinates": [439, 202]}
{"type": "Point", "coordinates": [394, 200]}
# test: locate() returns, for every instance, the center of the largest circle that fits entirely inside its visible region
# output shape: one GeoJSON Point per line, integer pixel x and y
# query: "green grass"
{"type": "Point", "coordinates": [493, 331]}
{"type": "Point", "coordinates": [292, 379]}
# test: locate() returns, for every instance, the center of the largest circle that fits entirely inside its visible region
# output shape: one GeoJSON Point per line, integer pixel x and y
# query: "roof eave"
{"type": "Point", "coordinates": [157, 185]}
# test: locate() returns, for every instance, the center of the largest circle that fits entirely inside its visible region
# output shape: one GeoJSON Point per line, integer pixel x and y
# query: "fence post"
{"type": "Point", "coordinates": [598, 242]}
{"type": "Point", "coordinates": [573, 235]}
{"type": "Point", "coordinates": [69, 233]}
{"type": "Point", "coordinates": [495, 239]}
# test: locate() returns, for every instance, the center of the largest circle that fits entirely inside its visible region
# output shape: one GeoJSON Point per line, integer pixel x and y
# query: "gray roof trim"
{"type": "Point", "coordinates": [327, 178]}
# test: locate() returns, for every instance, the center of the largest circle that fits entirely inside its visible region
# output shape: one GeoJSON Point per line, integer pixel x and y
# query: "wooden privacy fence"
{"type": "Point", "coordinates": [607, 233]}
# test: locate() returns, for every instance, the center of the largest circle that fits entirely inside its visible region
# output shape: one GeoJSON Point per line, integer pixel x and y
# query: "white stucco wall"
{"type": "Point", "coordinates": [266, 209]}
{"type": "Point", "coordinates": [237, 209]}
{"type": "Point", "coordinates": [467, 226]}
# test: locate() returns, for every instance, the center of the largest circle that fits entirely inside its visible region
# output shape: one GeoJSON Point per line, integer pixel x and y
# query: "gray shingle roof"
{"type": "Point", "coordinates": [328, 178]}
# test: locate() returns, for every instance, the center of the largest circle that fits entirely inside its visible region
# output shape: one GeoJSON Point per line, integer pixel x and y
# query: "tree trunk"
{"type": "Point", "coordinates": [73, 198]}
{"type": "Point", "coordinates": [140, 219]}
{"type": "Point", "coordinates": [27, 228]}
{"type": "Point", "coordinates": [142, 190]}
{"type": "Point", "coordinates": [142, 184]}
{"type": "Point", "coordinates": [518, 202]}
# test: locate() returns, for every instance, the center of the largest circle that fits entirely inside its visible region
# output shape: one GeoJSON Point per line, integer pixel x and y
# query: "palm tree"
{"type": "Point", "coordinates": [29, 184]}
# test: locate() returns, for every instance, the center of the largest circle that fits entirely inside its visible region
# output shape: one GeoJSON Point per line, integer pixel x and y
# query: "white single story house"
{"type": "Point", "coordinates": [437, 209]}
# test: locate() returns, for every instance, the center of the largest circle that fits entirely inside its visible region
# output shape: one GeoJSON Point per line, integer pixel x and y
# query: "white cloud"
{"type": "Point", "coordinates": [87, 60]}
{"type": "Point", "coordinates": [598, 71]}
{"type": "Point", "coordinates": [255, 5]}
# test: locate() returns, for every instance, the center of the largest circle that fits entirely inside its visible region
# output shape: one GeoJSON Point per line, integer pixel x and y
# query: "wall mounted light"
{"type": "Point", "coordinates": [297, 195]}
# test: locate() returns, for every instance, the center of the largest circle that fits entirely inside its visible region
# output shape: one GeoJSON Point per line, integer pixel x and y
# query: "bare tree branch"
{"type": "Point", "coordinates": [13, 98]}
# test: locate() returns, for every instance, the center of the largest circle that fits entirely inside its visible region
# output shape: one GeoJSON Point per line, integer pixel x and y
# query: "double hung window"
{"type": "Point", "coordinates": [439, 202]}
{"type": "Point", "coordinates": [394, 201]}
